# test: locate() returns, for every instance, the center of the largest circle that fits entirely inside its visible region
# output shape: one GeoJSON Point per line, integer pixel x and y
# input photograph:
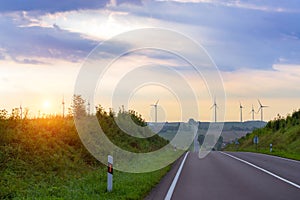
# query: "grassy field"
{"type": "Point", "coordinates": [45, 159]}
{"type": "Point", "coordinates": [282, 133]}
{"type": "Point", "coordinates": [88, 185]}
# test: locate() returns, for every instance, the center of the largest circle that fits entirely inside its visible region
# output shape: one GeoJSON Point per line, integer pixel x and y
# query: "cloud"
{"type": "Point", "coordinates": [49, 6]}
{"type": "Point", "coordinates": [30, 61]}
{"type": "Point", "coordinates": [260, 5]}
{"type": "Point", "coordinates": [235, 38]}
{"type": "Point", "coordinates": [2, 56]}
{"type": "Point", "coordinates": [252, 83]}
{"type": "Point", "coordinates": [22, 44]}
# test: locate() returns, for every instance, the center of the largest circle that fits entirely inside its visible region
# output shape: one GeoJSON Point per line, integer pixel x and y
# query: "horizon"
{"type": "Point", "coordinates": [42, 115]}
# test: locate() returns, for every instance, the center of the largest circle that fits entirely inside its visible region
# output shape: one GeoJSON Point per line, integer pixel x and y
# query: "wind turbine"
{"type": "Point", "coordinates": [261, 107]}
{"type": "Point", "coordinates": [89, 108]}
{"type": "Point", "coordinates": [241, 111]}
{"type": "Point", "coordinates": [21, 111]}
{"type": "Point", "coordinates": [252, 111]}
{"type": "Point", "coordinates": [155, 109]}
{"type": "Point", "coordinates": [215, 106]}
{"type": "Point", "coordinates": [63, 106]}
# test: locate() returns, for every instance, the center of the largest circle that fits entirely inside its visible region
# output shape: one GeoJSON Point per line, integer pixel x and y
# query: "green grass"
{"type": "Point", "coordinates": [91, 185]}
{"type": "Point", "coordinates": [45, 159]}
{"type": "Point", "coordinates": [283, 134]}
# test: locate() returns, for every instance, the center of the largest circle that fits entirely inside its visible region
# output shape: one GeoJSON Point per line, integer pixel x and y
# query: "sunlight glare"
{"type": "Point", "coordinates": [46, 104]}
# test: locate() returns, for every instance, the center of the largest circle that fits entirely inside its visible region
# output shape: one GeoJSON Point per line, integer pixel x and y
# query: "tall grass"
{"type": "Point", "coordinates": [45, 159]}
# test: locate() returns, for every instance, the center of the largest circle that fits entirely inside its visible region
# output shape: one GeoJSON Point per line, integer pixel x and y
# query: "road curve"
{"type": "Point", "coordinates": [219, 176]}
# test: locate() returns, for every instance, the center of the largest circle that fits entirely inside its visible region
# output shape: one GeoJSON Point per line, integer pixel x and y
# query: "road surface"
{"type": "Point", "coordinates": [227, 175]}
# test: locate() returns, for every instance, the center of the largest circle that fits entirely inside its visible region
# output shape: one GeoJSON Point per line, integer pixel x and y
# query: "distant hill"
{"type": "Point", "coordinates": [234, 130]}
{"type": "Point", "coordinates": [282, 133]}
{"type": "Point", "coordinates": [244, 126]}
{"type": "Point", "coordinates": [230, 132]}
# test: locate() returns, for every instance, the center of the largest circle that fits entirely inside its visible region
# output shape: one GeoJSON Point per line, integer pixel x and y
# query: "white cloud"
{"type": "Point", "coordinates": [112, 3]}
{"type": "Point", "coordinates": [94, 24]}
{"type": "Point", "coordinates": [238, 4]}
{"type": "Point", "coordinates": [251, 83]}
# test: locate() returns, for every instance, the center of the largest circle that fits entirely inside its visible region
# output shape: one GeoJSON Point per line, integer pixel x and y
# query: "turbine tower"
{"type": "Point", "coordinates": [252, 111]}
{"type": "Point", "coordinates": [89, 108]}
{"type": "Point", "coordinates": [155, 109]}
{"type": "Point", "coordinates": [241, 111]}
{"type": "Point", "coordinates": [261, 107]}
{"type": "Point", "coordinates": [21, 111]}
{"type": "Point", "coordinates": [63, 107]}
{"type": "Point", "coordinates": [215, 106]}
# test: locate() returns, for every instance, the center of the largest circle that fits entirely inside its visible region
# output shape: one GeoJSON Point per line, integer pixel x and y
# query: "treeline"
{"type": "Point", "coordinates": [118, 128]}
{"type": "Point", "coordinates": [281, 122]}
{"type": "Point", "coordinates": [210, 139]}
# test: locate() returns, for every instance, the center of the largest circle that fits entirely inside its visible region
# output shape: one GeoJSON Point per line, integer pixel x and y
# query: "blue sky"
{"type": "Point", "coordinates": [255, 45]}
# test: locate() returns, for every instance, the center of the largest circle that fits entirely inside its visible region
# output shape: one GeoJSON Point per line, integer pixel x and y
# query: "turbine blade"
{"type": "Point", "coordinates": [258, 110]}
{"type": "Point", "coordinates": [259, 102]}
{"type": "Point", "coordinates": [157, 102]}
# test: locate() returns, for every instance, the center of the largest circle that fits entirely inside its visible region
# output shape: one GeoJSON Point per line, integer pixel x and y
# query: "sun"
{"type": "Point", "coordinates": [46, 104]}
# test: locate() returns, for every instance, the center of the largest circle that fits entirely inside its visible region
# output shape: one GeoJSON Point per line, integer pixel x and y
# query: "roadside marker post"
{"type": "Point", "coordinates": [110, 171]}
{"type": "Point", "coordinates": [271, 147]}
{"type": "Point", "coordinates": [255, 141]}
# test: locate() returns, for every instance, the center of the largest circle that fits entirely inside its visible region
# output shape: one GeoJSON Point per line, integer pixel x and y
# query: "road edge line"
{"type": "Point", "coordinates": [264, 170]}
{"type": "Point", "coordinates": [286, 159]}
{"type": "Point", "coordinates": [172, 186]}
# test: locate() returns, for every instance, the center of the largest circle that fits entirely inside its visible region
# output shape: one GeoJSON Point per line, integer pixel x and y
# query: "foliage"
{"type": "Point", "coordinates": [15, 114]}
{"type": "Point", "coordinates": [282, 133]}
{"type": "Point", "coordinates": [3, 114]}
{"type": "Point", "coordinates": [210, 139]}
{"type": "Point", "coordinates": [44, 159]}
{"type": "Point", "coordinates": [130, 122]}
{"type": "Point", "coordinates": [78, 106]}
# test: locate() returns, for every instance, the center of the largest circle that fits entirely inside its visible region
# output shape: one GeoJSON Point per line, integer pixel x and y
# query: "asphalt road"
{"type": "Point", "coordinates": [219, 176]}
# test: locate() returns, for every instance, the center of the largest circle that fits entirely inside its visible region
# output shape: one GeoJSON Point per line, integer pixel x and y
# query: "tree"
{"type": "Point", "coordinates": [3, 114]}
{"type": "Point", "coordinates": [78, 106]}
{"type": "Point", "coordinates": [201, 139]}
{"type": "Point", "coordinates": [15, 114]}
{"type": "Point", "coordinates": [219, 143]}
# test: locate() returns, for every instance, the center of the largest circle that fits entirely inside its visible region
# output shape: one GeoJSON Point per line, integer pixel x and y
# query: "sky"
{"type": "Point", "coordinates": [255, 45]}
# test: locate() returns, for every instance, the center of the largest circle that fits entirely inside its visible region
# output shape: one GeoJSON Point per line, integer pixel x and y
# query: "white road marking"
{"type": "Point", "coordinates": [172, 187]}
{"type": "Point", "coordinates": [287, 159]}
{"type": "Point", "coordinates": [264, 170]}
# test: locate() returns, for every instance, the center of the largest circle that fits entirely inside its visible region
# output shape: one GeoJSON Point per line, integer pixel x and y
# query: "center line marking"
{"type": "Point", "coordinates": [264, 170]}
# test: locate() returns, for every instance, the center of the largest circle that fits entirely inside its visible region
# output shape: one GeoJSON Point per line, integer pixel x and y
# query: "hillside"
{"type": "Point", "coordinates": [230, 132]}
{"type": "Point", "coordinates": [282, 133]}
{"type": "Point", "coordinates": [45, 159]}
